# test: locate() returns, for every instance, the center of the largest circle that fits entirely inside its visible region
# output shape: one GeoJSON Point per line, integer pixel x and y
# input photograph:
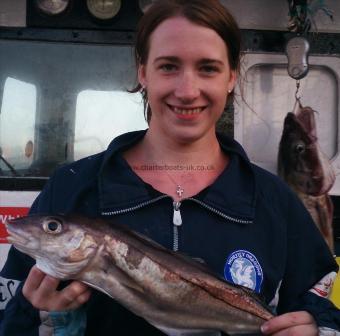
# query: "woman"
{"type": "Point", "coordinates": [205, 199]}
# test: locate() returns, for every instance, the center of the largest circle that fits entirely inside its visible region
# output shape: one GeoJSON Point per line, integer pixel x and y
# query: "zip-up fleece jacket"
{"type": "Point", "coordinates": [248, 227]}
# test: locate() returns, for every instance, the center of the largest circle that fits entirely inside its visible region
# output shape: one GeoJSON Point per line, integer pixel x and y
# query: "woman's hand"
{"type": "Point", "coordinates": [41, 290]}
{"type": "Point", "coordinates": [295, 323]}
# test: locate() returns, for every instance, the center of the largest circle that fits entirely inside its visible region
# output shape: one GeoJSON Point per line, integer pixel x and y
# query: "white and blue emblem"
{"type": "Point", "coordinates": [242, 268]}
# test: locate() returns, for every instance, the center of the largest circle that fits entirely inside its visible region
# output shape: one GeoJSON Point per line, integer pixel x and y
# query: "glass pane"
{"type": "Point", "coordinates": [17, 119]}
{"type": "Point", "coordinates": [63, 101]}
{"type": "Point", "coordinates": [101, 116]}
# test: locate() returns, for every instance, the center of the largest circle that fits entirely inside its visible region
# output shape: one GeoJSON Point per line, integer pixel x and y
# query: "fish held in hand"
{"type": "Point", "coordinates": [306, 169]}
{"type": "Point", "coordinates": [172, 292]}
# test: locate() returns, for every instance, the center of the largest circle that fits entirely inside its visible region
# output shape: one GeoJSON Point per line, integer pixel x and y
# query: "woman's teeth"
{"type": "Point", "coordinates": [188, 111]}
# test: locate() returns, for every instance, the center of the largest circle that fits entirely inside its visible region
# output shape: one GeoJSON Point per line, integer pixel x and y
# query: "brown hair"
{"type": "Point", "coordinates": [208, 13]}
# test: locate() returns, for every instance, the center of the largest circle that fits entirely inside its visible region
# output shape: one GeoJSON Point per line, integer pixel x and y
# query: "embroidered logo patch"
{"type": "Point", "coordinates": [242, 268]}
{"type": "Point", "coordinates": [324, 286]}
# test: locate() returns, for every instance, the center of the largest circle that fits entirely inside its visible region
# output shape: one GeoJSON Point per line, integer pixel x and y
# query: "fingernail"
{"type": "Point", "coordinates": [264, 328]}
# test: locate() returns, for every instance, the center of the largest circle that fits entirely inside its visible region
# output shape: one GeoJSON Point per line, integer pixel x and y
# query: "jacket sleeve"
{"type": "Point", "coordinates": [309, 262]}
{"type": "Point", "coordinates": [20, 318]}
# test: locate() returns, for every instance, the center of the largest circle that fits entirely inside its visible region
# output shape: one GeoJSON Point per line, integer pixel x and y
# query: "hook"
{"type": "Point", "coordinates": [297, 104]}
{"type": "Point", "coordinates": [297, 90]}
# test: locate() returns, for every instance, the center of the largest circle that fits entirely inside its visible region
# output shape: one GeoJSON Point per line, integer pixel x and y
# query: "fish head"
{"type": "Point", "coordinates": [61, 247]}
{"type": "Point", "coordinates": [301, 162]}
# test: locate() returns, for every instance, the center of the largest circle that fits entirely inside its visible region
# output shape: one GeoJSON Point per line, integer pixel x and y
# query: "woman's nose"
{"type": "Point", "coordinates": [187, 88]}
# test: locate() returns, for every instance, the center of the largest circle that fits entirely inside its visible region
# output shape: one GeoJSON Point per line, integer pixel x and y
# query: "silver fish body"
{"type": "Point", "coordinates": [172, 292]}
{"type": "Point", "coordinates": [307, 170]}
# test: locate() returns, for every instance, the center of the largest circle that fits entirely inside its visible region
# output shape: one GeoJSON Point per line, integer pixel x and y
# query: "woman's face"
{"type": "Point", "coordinates": [187, 77]}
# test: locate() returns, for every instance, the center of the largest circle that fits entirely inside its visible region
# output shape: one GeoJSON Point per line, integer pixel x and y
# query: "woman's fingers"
{"type": "Point", "coordinates": [48, 286]}
{"type": "Point", "coordinates": [41, 290]}
{"type": "Point", "coordinates": [33, 282]}
{"type": "Point", "coordinates": [74, 295]}
{"type": "Point", "coordinates": [301, 322]}
{"type": "Point", "coordinates": [301, 330]}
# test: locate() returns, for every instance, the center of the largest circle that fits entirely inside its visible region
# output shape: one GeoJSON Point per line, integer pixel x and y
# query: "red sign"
{"type": "Point", "coordinates": [9, 213]}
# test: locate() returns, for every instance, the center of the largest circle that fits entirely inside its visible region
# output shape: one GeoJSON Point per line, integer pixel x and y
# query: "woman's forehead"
{"type": "Point", "coordinates": [178, 35]}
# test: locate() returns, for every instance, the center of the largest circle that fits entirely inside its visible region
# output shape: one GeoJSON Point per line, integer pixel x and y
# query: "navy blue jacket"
{"type": "Point", "coordinates": [248, 226]}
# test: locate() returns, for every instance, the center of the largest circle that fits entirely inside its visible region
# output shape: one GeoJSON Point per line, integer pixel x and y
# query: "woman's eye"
{"type": "Point", "coordinates": [168, 67]}
{"type": "Point", "coordinates": [208, 69]}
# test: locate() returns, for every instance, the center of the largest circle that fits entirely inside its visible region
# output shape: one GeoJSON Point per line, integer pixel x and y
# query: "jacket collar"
{"type": "Point", "coordinates": [233, 193]}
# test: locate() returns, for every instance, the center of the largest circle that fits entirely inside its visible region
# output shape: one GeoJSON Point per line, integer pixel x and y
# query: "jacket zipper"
{"type": "Point", "coordinates": [177, 218]}
{"type": "Point", "coordinates": [220, 213]}
{"type": "Point", "coordinates": [136, 207]}
{"type": "Point", "coordinates": [177, 221]}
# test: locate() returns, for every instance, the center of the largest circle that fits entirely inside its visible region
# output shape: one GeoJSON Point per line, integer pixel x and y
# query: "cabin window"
{"type": "Point", "coordinates": [111, 112]}
{"type": "Point", "coordinates": [17, 119]}
{"type": "Point", "coordinates": [62, 101]}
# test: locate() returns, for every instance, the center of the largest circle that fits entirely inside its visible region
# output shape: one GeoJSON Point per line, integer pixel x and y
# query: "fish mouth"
{"type": "Point", "coordinates": [21, 243]}
{"type": "Point", "coordinates": [14, 237]}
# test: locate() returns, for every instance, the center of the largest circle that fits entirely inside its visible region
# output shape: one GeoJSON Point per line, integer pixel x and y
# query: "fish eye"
{"type": "Point", "coordinates": [300, 148]}
{"type": "Point", "coordinates": [52, 226]}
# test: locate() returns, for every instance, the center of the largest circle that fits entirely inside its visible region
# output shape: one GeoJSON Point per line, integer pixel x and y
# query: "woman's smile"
{"type": "Point", "coordinates": [186, 113]}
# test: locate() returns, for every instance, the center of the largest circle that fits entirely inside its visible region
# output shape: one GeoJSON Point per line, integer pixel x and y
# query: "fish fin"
{"type": "Point", "coordinates": [98, 288]}
{"type": "Point", "coordinates": [187, 332]}
{"type": "Point", "coordinates": [259, 297]}
{"type": "Point", "coordinates": [123, 278]}
{"type": "Point", "coordinates": [199, 263]}
{"type": "Point", "coordinates": [140, 236]}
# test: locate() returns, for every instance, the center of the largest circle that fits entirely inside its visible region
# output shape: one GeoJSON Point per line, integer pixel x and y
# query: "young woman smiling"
{"type": "Point", "coordinates": [242, 221]}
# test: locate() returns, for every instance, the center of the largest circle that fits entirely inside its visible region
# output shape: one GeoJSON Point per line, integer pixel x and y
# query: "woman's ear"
{"type": "Point", "coordinates": [232, 80]}
{"type": "Point", "coordinates": [141, 75]}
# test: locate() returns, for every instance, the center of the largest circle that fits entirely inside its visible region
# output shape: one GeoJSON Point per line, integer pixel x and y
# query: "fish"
{"type": "Point", "coordinates": [306, 169]}
{"type": "Point", "coordinates": [173, 292]}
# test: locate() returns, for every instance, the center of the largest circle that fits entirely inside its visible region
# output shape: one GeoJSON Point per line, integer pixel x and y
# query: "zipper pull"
{"type": "Point", "coordinates": [177, 218]}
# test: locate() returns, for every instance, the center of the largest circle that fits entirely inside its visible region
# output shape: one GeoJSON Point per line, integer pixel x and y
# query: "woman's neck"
{"type": "Point", "coordinates": [160, 150]}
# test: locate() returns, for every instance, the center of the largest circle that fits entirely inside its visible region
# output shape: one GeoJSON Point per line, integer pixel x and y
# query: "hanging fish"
{"type": "Point", "coordinates": [306, 169]}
